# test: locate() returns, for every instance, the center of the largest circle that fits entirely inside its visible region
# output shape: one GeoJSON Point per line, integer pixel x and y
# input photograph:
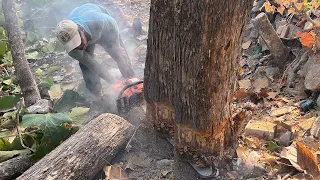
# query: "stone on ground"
{"type": "Point", "coordinates": [260, 129]}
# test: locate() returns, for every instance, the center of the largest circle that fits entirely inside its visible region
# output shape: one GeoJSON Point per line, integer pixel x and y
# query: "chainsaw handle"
{"type": "Point", "coordinates": [127, 86]}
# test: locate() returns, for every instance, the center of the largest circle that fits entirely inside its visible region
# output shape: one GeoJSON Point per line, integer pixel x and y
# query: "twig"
{"type": "Point", "coordinates": [5, 70]}
{"type": "Point", "coordinates": [42, 8]}
{"type": "Point", "coordinates": [26, 133]}
{"type": "Point", "coordinates": [42, 17]}
{"type": "Point", "coordinates": [128, 145]}
{"type": "Point", "coordinates": [18, 129]}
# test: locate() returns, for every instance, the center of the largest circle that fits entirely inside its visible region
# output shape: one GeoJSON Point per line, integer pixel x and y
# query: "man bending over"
{"type": "Point", "coordinates": [87, 26]}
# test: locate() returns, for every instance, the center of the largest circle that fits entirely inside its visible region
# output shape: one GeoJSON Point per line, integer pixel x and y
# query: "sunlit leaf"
{"type": "Point", "coordinates": [39, 71]}
{"type": "Point", "coordinates": [307, 160]}
{"type": "Point", "coordinates": [315, 4]}
{"type": "Point", "coordinates": [269, 7]}
{"type": "Point", "coordinates": [55, 91]}
{"type": "Point", "coordinates": [281, 9]}
{"type": "Point", "coordinates": [280, 2]}
{"type": "Point", "coordinates": [286, 3]}
{"type": "Point", "coordinates": [306, 38]}
{"type": "Point", "coordinates": [5, 155]}
{"type": "Point", "coordinates": [299, 6]}
{"type": "Point", "coordinates": [4, 145]}
{"type": "Point", "coordinates": [291, 11]}
{"type": "Point", "coordinates": [78, 115]}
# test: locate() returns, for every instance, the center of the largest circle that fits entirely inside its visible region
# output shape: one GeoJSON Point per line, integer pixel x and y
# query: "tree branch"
{"type": "Point", "coordinates": [18, 128]}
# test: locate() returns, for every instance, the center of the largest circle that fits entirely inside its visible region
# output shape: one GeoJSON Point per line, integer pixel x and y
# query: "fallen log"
{"type": "Point", "coordinates": [270, 37]}
{"type": "Point", "coordinates": [86, 152]}
{"type": "Point", "coordinates": [14, 167]}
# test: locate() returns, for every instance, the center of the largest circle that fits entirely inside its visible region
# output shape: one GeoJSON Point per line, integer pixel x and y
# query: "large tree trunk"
{"type": "Point", "coordinates": [192, 57]}
{"type": "Point", "coordinates": [25, 79]}
{"type": "Point", "coordinates": [86, 152]}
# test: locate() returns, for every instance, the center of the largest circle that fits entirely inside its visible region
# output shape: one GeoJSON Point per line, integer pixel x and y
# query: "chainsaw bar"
{"type": "Point", "coordinates": [204, 172]}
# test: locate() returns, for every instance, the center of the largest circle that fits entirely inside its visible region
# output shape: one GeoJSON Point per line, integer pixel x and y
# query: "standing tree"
{"type": "Point", "coordinates": [192, 57]}
{"type": "Point", "coordinates": [25, 79]}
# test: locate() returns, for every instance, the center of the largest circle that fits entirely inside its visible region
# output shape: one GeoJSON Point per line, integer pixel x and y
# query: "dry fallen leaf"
{"type": "Point", "coordinates": [307, 160]}
{"type": "Point", "coordinates": [281, 9]}
{"type": "Point", "coordinates": [246, 45]}
{"type": "Point", "coordinates": [55, 92]}
{"type": "Point", "coordinates": [272, 95]}
{"type": "Point", "coordinates": [268, 159]}
{"type": "Point", "coordinates": [306, 38]}
{"type": "Point", "coordinates": [290, 153]}
{"type": "Point", "coordinates": [268, 7]}
{"type": "Point", "coordinates": [242, 153]}
{"type": "Point", "coordinates": [252, 142]}
{"type": "Point", "coordinates": [245, 83]}
{"type": "Point", "coordinates": [241, 94]}
{"type": "Point", "coordinates": [115, 172]}
{"type": "Point", "coordinates": [260, 83]}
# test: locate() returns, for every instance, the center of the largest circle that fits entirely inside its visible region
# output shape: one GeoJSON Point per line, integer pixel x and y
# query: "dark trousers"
{"type": "Point", "coordinates": [112, 43]}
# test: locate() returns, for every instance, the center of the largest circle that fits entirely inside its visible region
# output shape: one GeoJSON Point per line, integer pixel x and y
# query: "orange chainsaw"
{"type": "Point", "coordinates": [130, 94]}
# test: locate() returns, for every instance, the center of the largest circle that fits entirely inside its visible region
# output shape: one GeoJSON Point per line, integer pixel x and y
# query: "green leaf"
{"type": "Point", "coordinates": [3, 34]}
{"type": "Point", "coordinates": [53, 69]}
{"type": "Point", "coordinates": [78, 115]}
{"type": "Point", "coordinates": [8, 103]}
{"type": "Point", "coordinates": [8, 120]}
{"type": "Point", "coordinates": [59, 47]}
{"type": "Point", "coordinates": [6, 155]}
{"type": "Point", "coordinates": [3, 48]}
{"type": "Point", "coordinates": [5, 133]}
{"type": "Point", "coordinates": [31, 37]}
{"type": "Point", "coordinates": [17, 90]}
{"type": "Point", "coordinates": [2, 21]}
{"type": "Point", "coordinates": [69, 100]}
{"type": "Point", "coordinates": [7, 59]}
{"type": "Point", "coordinates": [47, 82]}
{"type": "Point", "coordinates": [50, 47]}
{"type": "Point", "coordinates": [53, 128]}
{"type": "Point", "coordinates": [7, 82]}
{"type": "Point", "coordinates": [27, 140]}
{"type": "Point", "coordinates": [4, 145]}
{"type": "Point", "coordinates": [68, 86]}
{"type": "Point", "coordinates": [45, 66]}
{"type": "Point", "coordinates": [39, 71]}
{"type": "Point", "coordinates": [272, 146]}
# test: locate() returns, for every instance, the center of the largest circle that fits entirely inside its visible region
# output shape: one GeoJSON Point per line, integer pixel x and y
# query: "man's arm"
{"type": "Point", "coordinates": [87, 60]}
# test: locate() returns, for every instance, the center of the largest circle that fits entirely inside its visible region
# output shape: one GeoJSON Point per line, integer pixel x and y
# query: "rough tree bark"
{"type": "Point", "coordinates": [190, 71]}
{"type": "Point", "coordinates": [14, 167]}
{"type": "Point", "coordinates": [25, 78]}
{"type": "Point", "coordinates": [86, 152]}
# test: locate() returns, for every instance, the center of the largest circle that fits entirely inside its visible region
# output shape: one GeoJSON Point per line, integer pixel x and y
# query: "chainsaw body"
{"type": "Point", "coordinates": [130, 94]}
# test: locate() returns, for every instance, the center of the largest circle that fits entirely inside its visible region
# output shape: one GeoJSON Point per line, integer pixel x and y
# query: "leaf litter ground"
{"type": "Point", "coordinates": [151, 157]}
